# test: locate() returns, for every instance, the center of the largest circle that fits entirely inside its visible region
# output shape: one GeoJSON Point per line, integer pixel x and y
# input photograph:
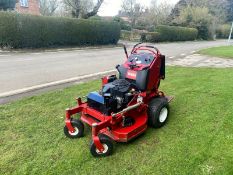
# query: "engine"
{"type": "Point", "coordinates": [113, 97]}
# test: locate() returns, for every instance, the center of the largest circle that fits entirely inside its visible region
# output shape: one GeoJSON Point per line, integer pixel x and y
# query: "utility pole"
{"type": "Point", "coordinates": [229, 39]}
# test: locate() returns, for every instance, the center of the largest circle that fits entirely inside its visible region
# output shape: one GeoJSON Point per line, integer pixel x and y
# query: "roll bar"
{"type": "Point", "coordinates": [139, 46]}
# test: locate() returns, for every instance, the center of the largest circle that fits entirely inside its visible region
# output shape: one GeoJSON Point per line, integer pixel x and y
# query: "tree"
{"type": "Point", "coordinates": [155, 14]}
{"type": "Point", "coordinates": [84, 8]}
{"type": "Point", "coordinates": [178, 7]}
{"type": "Point", "coordinates": [197, 17]}
{"type": "Point", "coordinates": [48, 7]}
{"type": "Point", "coordinates": [230, 10]}
{"type": "Point", "coordinates": [133, 10]}
{"type": "Point", "coordinates": [7, 4]}
{"type": "Point", "coordinates": [159, 13]}
{"type": "Point", "coordinates": [216, 7]}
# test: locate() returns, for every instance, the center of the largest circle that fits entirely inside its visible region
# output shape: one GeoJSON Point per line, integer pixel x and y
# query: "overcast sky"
{"type": "Point", "coordinates": [111, 7]}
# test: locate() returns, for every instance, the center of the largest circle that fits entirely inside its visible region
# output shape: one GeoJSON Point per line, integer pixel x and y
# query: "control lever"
{"type": "Point", "coordinates": [126, 53]}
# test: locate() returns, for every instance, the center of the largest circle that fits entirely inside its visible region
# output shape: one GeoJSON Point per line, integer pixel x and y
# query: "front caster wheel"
{"type": "Point", "coordinates": [107, 144]}
{"type": "Point", "coordinates": [78, 127]}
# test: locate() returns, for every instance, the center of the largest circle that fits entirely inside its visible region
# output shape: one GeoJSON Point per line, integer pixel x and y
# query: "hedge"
{"type": "Point", "coordinates": [150, 37]}
{"type": "Point", "coordinates": [134, 35]}
{"type": "Point", "coordinates": [26, 31]}
{"type": "Point", "coordinates": [176, 33]}
{"type": "Point", "coordinates": [170, 33]}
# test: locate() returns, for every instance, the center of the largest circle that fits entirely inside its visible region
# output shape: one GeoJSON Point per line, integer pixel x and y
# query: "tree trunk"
{"type": "Point", "coordinates": [94, 11]}
{"type": "Point", "coordinates": [77, 9]}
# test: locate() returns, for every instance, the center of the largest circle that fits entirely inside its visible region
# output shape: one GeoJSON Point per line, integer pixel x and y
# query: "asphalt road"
{"type": "Point", "coordinates": [22, 70]}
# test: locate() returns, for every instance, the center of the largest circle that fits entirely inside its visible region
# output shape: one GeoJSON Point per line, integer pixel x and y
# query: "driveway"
{"type": "Point", "coordinates": [197, 60]}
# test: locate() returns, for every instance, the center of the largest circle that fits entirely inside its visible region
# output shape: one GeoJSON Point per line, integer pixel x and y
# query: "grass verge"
{"type": "Point", "coordinates": [224, 51]}
{"type": "Point", "coordinates": [198, 139]}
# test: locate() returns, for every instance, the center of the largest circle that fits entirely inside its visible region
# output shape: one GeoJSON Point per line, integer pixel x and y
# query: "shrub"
{"type": "Point", "coordinates": [205, 31]}
{"type": "Point", "coordinates": [26, 31]}
{"type": "Point", "coordinates": [223, 31]}
{"type": "Point", "coordinates": [175, 33]}
{"type": "Point", "coordinates": [125, 35]}
{"type": "Point", "coordinates": [134, 35]}
{"type": "Point", "coordinates": [141, 24]}
{"type": "Point", "coordinates": [95, 18]}
{"type": "Point", "coordinates": [126, 26]}
{"type": "Point", "coordinates": [123, 24]}
{"type": "Point", "coordinates": [170, 33]}
{"type": "Point", "coordinates": [150, 37]}
{"type": "Point", "coordinates": [143, 36]}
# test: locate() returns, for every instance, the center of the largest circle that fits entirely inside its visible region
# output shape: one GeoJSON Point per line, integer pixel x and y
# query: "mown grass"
{"type": "Point", "coordinates": [198, 139]}
{"type": "Point", "coordinates": [224, 51]}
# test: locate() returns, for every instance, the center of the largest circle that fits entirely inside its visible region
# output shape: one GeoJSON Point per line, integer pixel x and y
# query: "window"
{"type": "Point", "coordinates": [24, 3]}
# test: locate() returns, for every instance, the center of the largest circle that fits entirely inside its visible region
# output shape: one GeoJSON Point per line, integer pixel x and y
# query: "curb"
{"type": "Point", "coordinates": [45, 50]}
{"type": "Point", "coordinates": [55, 83]}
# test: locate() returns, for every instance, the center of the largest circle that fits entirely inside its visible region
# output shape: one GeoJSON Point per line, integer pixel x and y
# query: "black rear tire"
{"type": "Point", "coordinates": [158, 112]}
{"type": "Point", "coordinates": [79, 129]}
{"type": "Point", "coordinates": [108, 145]}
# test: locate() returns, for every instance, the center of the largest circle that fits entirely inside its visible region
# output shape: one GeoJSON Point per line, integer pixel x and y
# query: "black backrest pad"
{"type": "Point", "coordinates": [141, 79]}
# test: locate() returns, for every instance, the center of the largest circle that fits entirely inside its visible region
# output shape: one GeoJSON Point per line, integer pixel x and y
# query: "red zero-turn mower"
{"type": "Point", "coordinates": [125, 106]}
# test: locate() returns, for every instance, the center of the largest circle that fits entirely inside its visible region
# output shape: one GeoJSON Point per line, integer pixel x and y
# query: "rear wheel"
{"type": "Point", "coordinates": [107, 144]}
{"type": "Point", "coordinates": [78, 127]}
{"type": "Point", "coordinates": [158, 112]}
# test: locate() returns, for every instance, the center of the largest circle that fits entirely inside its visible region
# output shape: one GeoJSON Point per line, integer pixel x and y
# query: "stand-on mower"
{"type": "Point", "coordinates": [124, 106]}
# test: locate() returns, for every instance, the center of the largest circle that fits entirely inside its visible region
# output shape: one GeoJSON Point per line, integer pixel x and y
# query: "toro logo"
{"type": "Point", "coordinates": [131, 74]}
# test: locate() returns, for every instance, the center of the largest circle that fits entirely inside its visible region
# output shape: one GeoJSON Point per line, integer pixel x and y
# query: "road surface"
{"type": "Point", "coordinates": [22, 70]}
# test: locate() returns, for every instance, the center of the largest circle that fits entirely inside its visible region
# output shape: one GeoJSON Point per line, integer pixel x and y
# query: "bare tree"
{"type": "Point", "coordinates": [133, 10]}
{"type": "Point", "coordinates": [48, 7]}
{"type": "Point", "coordinates": [159, 13]}
{"type": "Point", "coordinates": [84, 8]}
{"type": "Point", "coordinates": [216, 7]}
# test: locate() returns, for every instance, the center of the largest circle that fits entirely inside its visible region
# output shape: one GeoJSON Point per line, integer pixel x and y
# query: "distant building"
{"type": "Point", "coordinates": [28, 7]}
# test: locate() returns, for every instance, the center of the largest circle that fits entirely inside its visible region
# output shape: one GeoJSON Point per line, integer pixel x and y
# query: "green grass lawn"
{"type": "Point", "coordinates": [224, 51]}
{"type": "Point", "coordinates": [198, 139]}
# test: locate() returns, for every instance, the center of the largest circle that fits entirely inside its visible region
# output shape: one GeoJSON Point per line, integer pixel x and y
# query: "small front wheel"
{"type": "Point", "coordinates": [107, 144]}
{"type": "Point", "coordinates": [78, 127]}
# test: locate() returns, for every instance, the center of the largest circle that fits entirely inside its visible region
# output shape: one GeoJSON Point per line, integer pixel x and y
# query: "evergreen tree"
{"type": "Point", "coordinates": [177, 9]}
